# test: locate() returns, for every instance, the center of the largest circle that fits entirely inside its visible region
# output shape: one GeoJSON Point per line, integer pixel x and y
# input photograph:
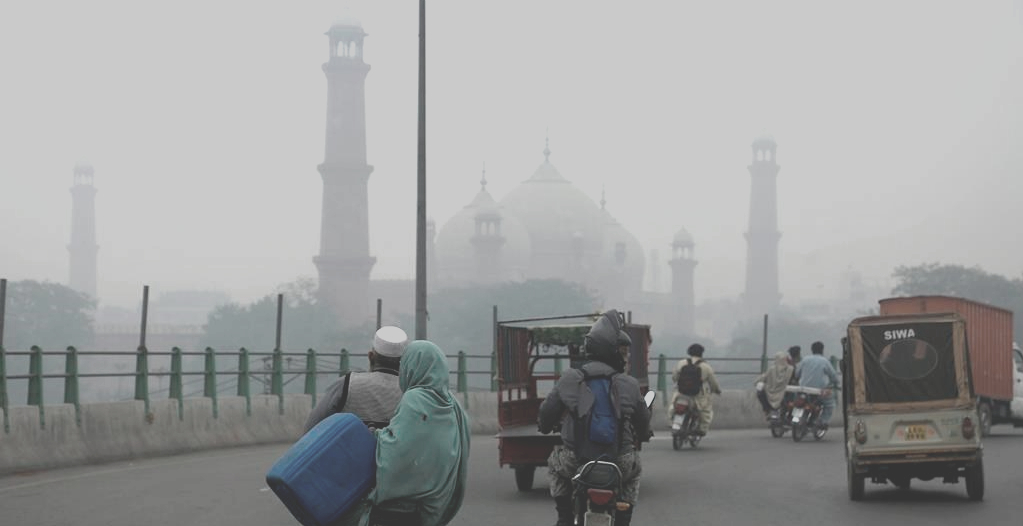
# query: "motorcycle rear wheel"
{"type": "Point", "coordinates": [798, 432]}
{"type": "Point", "coordinates": [777, 431]}
{"type": "Point", "coordinates": [676, 441]}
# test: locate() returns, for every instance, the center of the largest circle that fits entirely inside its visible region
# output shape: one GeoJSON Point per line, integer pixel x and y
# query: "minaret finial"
{"type": "Point", "coordinates": [603, 201]}
{"type": "Point", "coordinates": [483, 179]}
{"type": "Point", "coordinates": [547, 147]}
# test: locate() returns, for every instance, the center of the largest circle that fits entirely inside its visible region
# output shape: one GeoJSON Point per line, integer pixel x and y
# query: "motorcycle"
{"type": "Point", "coordinates": [779, 420]}
{"type": "Point", "coordinates": [806, 412]}
{"type": "Point", "coordinates": [684, 423]}
{"type": "Point", "coordinates": [596, 487]}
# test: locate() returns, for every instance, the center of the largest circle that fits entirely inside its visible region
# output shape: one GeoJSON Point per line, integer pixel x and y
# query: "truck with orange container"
{"type": "Point", "coordinates": [996, 362]}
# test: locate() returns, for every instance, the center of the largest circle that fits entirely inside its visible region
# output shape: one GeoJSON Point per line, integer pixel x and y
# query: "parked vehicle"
{"type": "Point", "coordinates": [908, 405]}
{"type": "Point", "coordinates": [521, 344]}
{"type": "Point", "coordinates": [684, 423]}
{"type": "Point", "coordinates": [996, 362]}
{"type": "Point", "coordinates": [597, 486]}
{"type": "Point", "coordinates": [806, 407]}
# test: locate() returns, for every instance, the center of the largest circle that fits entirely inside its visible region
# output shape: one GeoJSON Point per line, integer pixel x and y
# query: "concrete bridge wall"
{"type": "Point", "coordinates": [123, 430]}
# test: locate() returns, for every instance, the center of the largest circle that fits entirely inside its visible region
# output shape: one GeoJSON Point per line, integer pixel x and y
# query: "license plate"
{"type": "Point", "coordinates": [677, 420]}
{"type": "Point", "coordinates": [596, 519]}
{"type": "Point", "coordinates": [916, 433]}
{"type": "Point", "coordinates": [797, 413]}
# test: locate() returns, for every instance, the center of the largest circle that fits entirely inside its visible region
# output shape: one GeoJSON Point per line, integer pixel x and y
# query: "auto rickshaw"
{"type": "Point", "coordinates": [908, 405]}
{"type": "Point", "coordinates": [521, 345]}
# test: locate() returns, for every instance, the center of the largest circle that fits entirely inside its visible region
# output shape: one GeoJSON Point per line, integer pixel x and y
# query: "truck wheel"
{"type": "Point", "coordinates": [524, 477]}
{"type": "Point", "coordinates": [975, 481]}
{"type": "Point", "coordinates": [856, 482]}
{"type": "Point", "coordinates": [984, 419]}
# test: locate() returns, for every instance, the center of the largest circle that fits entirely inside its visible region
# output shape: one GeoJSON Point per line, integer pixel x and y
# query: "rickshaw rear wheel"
{"type": "Point", "coordinates": [975, 481]}
{"type": "Point", "coordinates": [857, 483]}
{"type": "Point", "coordinates": [524, 477]}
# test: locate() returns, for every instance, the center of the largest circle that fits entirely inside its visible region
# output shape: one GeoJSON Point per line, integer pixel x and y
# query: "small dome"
{"type": "Point", "coordinates": [764, 138]}
{"type": "Point", "coordinates": [83, 167]}
{"type": "Point", "coordinates": [346, 22]}
{"type": "Point", "coordinates": [682, 238]}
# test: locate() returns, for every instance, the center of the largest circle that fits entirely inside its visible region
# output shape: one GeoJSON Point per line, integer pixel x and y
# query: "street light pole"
{"type": "Point", "coordinates": [421, 206]}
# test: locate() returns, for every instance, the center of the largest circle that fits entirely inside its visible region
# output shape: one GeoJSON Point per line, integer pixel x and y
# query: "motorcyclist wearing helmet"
{"type": "Point", "coordinates": [606, 349]}
{"type": "Point", "coordinates": [708, 385]}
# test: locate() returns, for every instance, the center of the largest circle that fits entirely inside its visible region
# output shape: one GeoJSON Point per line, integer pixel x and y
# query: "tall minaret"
{"type": "Point", "coordinates": [683, 298]}
{"type": "Point", "coordinates": [762, 296]}
{"type": "Point", "coordinates": [83, 248]}
{"type": "Point", "coordinates": [344, 262]}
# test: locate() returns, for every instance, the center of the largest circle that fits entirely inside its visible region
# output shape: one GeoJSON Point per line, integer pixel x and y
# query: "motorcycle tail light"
{"type": "Point", "coordinates": [600, 497]}
{"type": "Point", "coordinates": [968, 429]}
{"type": "Point", "coordinates": [681, 408]}
{"type": "Point", "coordinates": [623, 506]}
{"type": "Point", "coordinates": [860, 432]}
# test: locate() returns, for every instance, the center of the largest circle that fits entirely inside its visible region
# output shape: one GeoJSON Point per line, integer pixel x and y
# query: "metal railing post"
{"type": "Point", "coordinates": [277, 379]}
{"type": "Point", "coordinates": [343, 365]}
{"type": "Point", "coordinates": [35, 383]}
{"type": "Point", "coordinates": [243, 379]}
{"type": "Point", "coordinates": [763, 351]}
{"type": "Point", "coordinates": [142, 376]}
{"type": "Point", "coordinates": [176, 390]}
{"type": "Point", "coordinates": [662, 375]}
{"type": "Point", "coordinates": [557, 365]}
{"type": "Point", "coordinates": [3, 388]}
{"type": "Point", "coordinates": [71, 383]}
{"type": "Point", "coordinates": [462, 383]}
{"type": "Point", "coordinates": [493, 372]}
{"type": "Point", "coordinates": [210, 385]}
{"type": "Point", "coordinates": [310, 375]}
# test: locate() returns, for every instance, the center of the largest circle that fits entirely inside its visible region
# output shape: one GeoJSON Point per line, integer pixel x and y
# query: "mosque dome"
{"type": "Point", "coordinates": [564, 224]}
{"type": "Point", "coordinates": [621, 250]}
{"type": "Point", "coordinates": [456, 262]}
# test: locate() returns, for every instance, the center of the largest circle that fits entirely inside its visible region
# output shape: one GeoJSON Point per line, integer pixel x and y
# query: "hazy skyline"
{"type": "Point", "coordinates": [898, 128]}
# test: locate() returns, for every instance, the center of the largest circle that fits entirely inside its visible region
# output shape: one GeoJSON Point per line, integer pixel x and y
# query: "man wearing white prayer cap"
{"type": "Point", "coordinates": [372, 396]}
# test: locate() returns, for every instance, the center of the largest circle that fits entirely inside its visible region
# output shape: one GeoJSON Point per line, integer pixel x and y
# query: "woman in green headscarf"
{"type": "Point", "coordinates": [423, 455]}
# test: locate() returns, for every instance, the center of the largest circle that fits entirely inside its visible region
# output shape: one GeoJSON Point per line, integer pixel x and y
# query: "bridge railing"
{"type": "Point", "coordinates": [273, 369]}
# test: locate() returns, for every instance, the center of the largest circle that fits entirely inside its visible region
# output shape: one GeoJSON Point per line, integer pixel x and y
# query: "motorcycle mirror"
{"type": "Point", "coordinates": [649, 398]}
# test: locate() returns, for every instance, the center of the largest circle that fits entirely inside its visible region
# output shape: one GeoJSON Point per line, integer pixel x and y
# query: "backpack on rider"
{"type": "Point", "coordinates": [599, 434]}
{"type": "Point", "coordinates": [690, 378]}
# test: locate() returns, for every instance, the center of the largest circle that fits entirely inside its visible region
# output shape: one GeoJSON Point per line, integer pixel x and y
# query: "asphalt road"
{"type": "Point", "coordinates": [734, 477]}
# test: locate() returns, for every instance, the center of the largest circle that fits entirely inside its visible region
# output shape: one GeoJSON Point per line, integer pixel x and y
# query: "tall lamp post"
{"type": "Point", "coordinates": [421, 206]}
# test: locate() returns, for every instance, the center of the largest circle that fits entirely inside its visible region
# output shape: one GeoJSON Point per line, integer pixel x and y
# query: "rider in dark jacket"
{"type": "Point", "coordinates": [606, 347]}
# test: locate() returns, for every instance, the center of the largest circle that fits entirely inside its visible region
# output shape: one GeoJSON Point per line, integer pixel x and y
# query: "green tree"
{"type": "Point", "coordinates": [971, 283]}
{"type": "Point", "coordinates": [46, 314]}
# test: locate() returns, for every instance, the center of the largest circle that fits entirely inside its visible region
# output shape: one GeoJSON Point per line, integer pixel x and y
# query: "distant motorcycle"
{"type": "Point", "coordinates": [684, 422]}
{"type": "Point", "coordinates": [806, 412]}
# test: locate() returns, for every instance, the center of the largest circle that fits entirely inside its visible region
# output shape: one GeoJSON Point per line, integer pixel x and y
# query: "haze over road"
{"type": "Point", "coordinates": [734, 477]}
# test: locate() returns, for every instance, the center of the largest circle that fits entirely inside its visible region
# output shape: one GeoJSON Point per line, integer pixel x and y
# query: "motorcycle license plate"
{"type": "Point", "coordinates": [596, 519]}
{"type": "Point", "coordinates": [677, 420]}
{"type": "Point", "coordinates": [797, 413]}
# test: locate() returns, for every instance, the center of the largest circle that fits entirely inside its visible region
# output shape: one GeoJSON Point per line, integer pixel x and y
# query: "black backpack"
{"type": "Point", "coordinates": [690, 378]}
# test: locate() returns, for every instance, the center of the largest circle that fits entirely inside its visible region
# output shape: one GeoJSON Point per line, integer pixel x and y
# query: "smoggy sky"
{"type": "Point", "coordinates": [899, 128]}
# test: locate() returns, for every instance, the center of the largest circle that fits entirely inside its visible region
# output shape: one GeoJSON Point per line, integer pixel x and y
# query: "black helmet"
{"type": "Point", "coordinates": [606, 335]}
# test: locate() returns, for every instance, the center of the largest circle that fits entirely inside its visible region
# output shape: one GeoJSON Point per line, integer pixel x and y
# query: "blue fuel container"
{"type": "Point", "coordinates": [327, 471]}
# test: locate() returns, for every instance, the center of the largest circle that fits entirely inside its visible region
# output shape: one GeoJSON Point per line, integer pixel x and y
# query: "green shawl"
{"type": "Point", "coordinates": [423, 455]}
